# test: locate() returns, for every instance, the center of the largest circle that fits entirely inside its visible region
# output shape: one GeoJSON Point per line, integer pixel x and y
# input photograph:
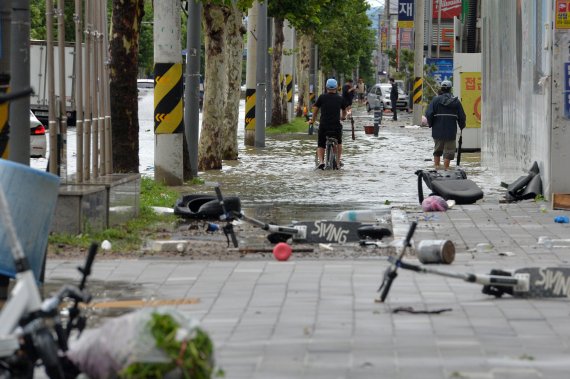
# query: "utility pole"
{"type": "Point", "coordinates": [288, 66]}
{"type": "Point", "coordinates": [268, 73]}
{"type": "Point", "coordinates": [418, 61]}
{"type": "Point", "coordinates": [168, 109]}
{"type": "Point", "coordinates": [5, 19]}
{"type": "Point", "coordinates": [20, 68]}
{"type": "Point", "coordinates": [438, 26]}
{"type": "Point", "coordinates": [78, 17]}
{"type": "Point", "coordinates": [429, 11]}
{"type": "Point", "coordinates": [250, 75]}
{"type": "Point", "coordinates": [62, 95]}
{"type": "Point", "coordinates": [260, 75]}
{"type": "Point", "coordinates": [388, 41]}
{"type": "Point", "coordinates": [192, 92]}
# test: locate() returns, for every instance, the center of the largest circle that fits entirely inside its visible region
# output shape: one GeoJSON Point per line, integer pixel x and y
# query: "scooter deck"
{"type": "Point", "coordinates": [545, 282]}
{"type": "Point", "coordinates": [331, 231]}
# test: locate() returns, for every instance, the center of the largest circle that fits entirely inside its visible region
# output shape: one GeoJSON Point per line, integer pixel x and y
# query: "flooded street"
{"type": "Point", "coordinates": [281, 176]}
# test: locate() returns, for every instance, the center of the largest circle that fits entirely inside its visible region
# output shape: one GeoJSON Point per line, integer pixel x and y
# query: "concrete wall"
{"type": "Point", "coordinates": [516, 89]}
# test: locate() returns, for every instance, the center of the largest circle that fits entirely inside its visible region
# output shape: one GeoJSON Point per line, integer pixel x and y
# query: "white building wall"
{"type": "Point", "coordinates": [516, 89]}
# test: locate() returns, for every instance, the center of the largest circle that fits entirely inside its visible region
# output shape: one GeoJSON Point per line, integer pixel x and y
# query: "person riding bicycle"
{"type": "Point", "coordinates": [331, 105]}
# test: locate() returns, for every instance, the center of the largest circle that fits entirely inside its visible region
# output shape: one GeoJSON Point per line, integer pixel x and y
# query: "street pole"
{"type": "Point", "coordinates": [250, 75]}
{"type": "Point", "coordinates": [77, 17]}
{"type": "Point", "coordinates": [418, 61]}
{"type": "Point", "coordinates": [20, 74]}
{"type": "Point", "coordinates": [429, 11]}
{"type": "Point", "coordinates": [192, 91]}
{"type": "Point", "coordinates": [5, 19]}
{"type": "Point", "coordinates": [388, 41]}
{"type": "Point", "coordinates": [438, 25]}
{"type": "Point", "coordinates": [268, 73]}
{"type": "Point", "coordinates": [168, 109]}
{"type": "Point", "coordinates": [288, 65]}
{"type": "Point", "coordinates": [62, 94]}
{"type": "Point", "coordinates": [260, 75]}
{"type": "Point", "coordinates": [52, 125]}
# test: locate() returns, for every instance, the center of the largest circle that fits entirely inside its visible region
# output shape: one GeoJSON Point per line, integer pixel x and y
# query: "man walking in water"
{"type": "Point", "coordinates": [444, 114]}
{"type": "Point", "coordinates": [331, 104]}
{"type": "Point", "coordinates": [394, 98]}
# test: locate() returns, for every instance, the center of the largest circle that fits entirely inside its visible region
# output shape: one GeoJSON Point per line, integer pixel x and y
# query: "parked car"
{"type": "Point", "coordinates": [145, 84]}
{"type": "Point", "coordinates": [38, 140]}
{"type": "Point", "coordinates": [379, 95]}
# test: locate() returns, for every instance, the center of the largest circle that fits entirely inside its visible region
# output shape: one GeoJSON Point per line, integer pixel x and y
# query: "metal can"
{"type": "Point", "coordinates": [436, 251]}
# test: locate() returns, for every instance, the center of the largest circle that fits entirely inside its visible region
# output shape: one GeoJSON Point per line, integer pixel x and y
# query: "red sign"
{"type": "Point", "coordinates": [449, 8]}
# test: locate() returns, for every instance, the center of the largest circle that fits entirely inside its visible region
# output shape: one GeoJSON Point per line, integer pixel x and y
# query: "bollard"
{"type": "Point", "coordinates": [436, 251]}
{"type": "Point", "coordinates": [377, 120]}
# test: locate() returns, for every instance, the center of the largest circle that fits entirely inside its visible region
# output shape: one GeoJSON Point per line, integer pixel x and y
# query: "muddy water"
{"type": "Point", "coordinates": [280, 179]}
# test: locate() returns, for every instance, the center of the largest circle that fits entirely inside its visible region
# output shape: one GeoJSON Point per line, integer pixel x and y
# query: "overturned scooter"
{"type": "Point", "coordinates": [319, 231]}
{"type": "Point", "coordinates": [528, 282]}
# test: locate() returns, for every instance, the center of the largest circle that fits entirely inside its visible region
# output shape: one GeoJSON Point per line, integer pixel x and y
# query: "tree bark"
{"type": "Point", "coordinates": [234, 57]}
{"type": "Point", "coordinates": [277, 80]}
{"type": "Point", "coordinates": [215, 20]}
{"type": "Point", "coordinates": [303, 82]}
{"type": "Point", "coordinates": [124, 49]}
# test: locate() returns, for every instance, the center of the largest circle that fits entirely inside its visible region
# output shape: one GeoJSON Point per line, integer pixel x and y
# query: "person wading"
{"type": "Point", "coordinates": [331, 105]}
{"type": "Point", "coordinates": [444, 114]}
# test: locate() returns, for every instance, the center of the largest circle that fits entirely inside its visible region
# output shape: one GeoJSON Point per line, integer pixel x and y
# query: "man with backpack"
{"type": "Point", "coordinates": [444, 114]}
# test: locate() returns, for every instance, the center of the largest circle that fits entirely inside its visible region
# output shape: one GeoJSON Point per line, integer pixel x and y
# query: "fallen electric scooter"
{"type": "Point", "coordinates": [528, 282]}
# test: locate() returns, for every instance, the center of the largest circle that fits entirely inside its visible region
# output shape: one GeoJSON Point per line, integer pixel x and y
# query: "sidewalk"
{"type": "Point", "coordinates": [318, 319]}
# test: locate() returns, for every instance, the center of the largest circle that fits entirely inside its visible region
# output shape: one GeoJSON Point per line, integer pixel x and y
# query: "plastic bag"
{"type": "Point", "coordinates": [434, 203]}
{"type": "Point", "coordinates": [104, 352]}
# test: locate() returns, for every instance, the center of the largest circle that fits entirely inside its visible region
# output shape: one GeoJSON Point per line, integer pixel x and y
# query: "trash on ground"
{"type": "Point", "coordinates": [483, 247]}
{"type": "Point", "coordinates": [434, 203]}
{"type": "Point", "coordinates": [326, 246]}
{"type": "Point", "coordinates": [561, 219]}
{"type": "Point", "coordinates": [507, 254]}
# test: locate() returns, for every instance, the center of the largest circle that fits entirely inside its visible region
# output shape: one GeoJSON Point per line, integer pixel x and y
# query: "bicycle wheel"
{"type": "Point", "coordinates": [328, 161]}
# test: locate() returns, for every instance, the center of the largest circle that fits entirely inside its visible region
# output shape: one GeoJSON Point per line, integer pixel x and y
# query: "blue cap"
{"type": "Point", "coordinates": [332, 84]}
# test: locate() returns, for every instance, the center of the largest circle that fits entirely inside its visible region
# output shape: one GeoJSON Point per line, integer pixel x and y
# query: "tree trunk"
{"type": "Point", "coordinates": [215, 20]}
{"type": "Point", "coordinates": [303, 82]}
{"type": "Point", "coordinates": [124, 50]}
{"type": "Point", "coordinates": [234, 57]}
{"type": "Point", "coordinates": [277, 81]}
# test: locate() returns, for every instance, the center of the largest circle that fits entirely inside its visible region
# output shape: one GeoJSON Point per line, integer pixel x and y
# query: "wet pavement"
{"type": "Point", "coordinates": [317, 317]}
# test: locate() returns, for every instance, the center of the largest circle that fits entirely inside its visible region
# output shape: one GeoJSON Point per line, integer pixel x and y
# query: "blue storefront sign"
{"type": "Point", "coordinates": [444, 70]}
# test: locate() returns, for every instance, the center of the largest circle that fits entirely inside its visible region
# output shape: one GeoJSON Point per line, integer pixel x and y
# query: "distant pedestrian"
{"type": "Point", "coordinates": [394, 98]}
{"type": "Point", "coordinates": [360, 90]}
{"type": "Point", "coordinates": [444, 114]}
{"type": "Point", "coordinates": [348, 94]}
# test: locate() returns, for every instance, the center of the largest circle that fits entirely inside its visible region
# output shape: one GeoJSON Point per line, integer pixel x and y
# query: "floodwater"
{"type": "Point", "coordinates": [281, 177]}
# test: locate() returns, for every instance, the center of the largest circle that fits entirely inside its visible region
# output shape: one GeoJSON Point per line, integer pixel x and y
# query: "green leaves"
{"type": "Point", "coordinates": [193, 355]}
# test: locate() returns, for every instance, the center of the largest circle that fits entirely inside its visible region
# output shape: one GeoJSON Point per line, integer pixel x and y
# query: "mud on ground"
{"type": "Point", "coordinates": [190, 240]}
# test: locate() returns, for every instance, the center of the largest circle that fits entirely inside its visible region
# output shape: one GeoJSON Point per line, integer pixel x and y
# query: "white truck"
{"type": "Point", "coordinates": [39, 101]}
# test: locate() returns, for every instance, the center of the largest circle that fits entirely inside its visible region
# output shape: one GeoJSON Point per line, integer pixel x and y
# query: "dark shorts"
{"type": "Point", "coordinates": [323, 133]}
{"type": "Point", "coordinates": [445, 148]}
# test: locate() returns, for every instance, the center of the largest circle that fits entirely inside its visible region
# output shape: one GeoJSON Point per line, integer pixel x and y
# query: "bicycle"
{"type": "Point", "coordinates": [331, 159]}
